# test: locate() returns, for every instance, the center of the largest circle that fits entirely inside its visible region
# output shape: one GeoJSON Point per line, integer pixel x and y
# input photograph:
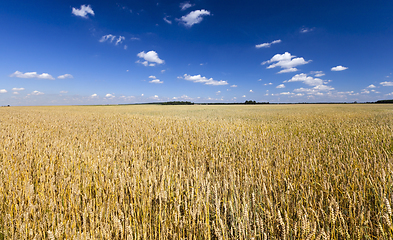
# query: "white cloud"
{"type": "Point", "coordinates": [251, 91]}
{"type": "Point", "coordinates": [317, 73]}
{"type": "Point", "coordinates": [371, 86]}
{"type": "Point", "coordinates": [307, 80]}
{"type": "Point", "coordinates": [65, 76]}
{"type": "Point", "coordinates": [244, 96]}
{"type": "Point", "coordinates": [156, 81]}
{"type": "Point", "coordinates": [111, 38]}
{"type": "Point", "coordinates": [268, 84]}
{"type": "Point", "coordinates": [152, 77]}
{"type": "Point", "coordinates": [155, 96]}
{"type": "Point", "coordinates": [145, 63]}
{"type": "Point", "coordinates": [162, 71]}
{"type": "Point", "coordinates": [194, 17]}
{"type": "Point", "coordinates": [125, 47]}
{"type": "Point", "coordinates": [267, 45]}
{"type": "Point", "coordinates": [286, 61]}
{"type": "Point", "coordinates": [105, 38]}
{"type": "Point", "coordinates": [15, 93]}
{"type": "Point", "coordinates": [288, 70]}
{"type": "Point", "coordinates": [83, 11]}
{"type": "Point", "coordinates": [18, 89]}
{"type": "Point", "coordinates": [168, 21]}
{"type": "Point", "coordinates": [94, 95]}
{"type": "Point", "coordinates": [204, 80]}
{"type": "Point", "coordinates": [234, 85]}
{"type": "Point", "coordinates": [185, 5]}
{"type": "Point", "coordinates": [218, 92]}
{"type": "Point", "coordinates": [120, 40]}
{"type": "Point", "coordinates": [285, 93]}
{"type": "Point", "coordinates": [32, 75]}
{"type": "Point", "coordinates": [108, 95]}
{"type": "Point", "coordinates": [338, 68]}
{"type": "Point", "coordinates": [306, 30]}
{"type": "Point", "coordinates": [135, 39]}
{"type": "Point", "coordinates": [63, 91]}
{"type": "Point", "coordinates": [315, 90]}
{"type": "Point", "coordinates": [387, 84]}
{"type": "Point", "coordinates": [37, 93]}
{"type": "Point", "coordinates": [150, 56]}
{"type": "Point", "coordinates": [281, 86]}
{"type": "Point", "coordinates": [3, 91]}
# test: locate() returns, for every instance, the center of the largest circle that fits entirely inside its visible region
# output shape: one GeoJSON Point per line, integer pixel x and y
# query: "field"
{"type": "Point", "coordinates": [196, 172]}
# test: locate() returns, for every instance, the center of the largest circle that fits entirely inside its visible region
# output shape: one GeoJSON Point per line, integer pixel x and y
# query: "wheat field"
{"type": "Point", "coordinates": [197, 172]}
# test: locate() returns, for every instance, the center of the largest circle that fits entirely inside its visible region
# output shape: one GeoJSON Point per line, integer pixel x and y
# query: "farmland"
{"type": "Point", "coordinates": [196, 172]}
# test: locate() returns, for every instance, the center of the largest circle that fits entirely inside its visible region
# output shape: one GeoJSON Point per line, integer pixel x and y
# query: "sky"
{"type": "Point", "coordinates": [115, 52]}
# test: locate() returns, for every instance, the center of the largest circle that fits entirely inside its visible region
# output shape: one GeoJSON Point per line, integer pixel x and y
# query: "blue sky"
{"type": "Point", "coordinates": [96, 52]}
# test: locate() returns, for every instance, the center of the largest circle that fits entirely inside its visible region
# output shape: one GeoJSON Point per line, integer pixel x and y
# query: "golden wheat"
{"type": "Point", "coordinates": [196, 172]}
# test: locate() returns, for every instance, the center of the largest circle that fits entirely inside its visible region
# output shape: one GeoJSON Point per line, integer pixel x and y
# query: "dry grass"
{"type": "Point", "coordinates": [196, 172]}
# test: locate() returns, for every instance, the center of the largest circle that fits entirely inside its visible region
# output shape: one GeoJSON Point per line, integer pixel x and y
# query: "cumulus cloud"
{"type": "Point", "coordinates": [281, 86]}
{"type": "Point", "coordinates": [267, 45]}
{"type": "Point", "coordinates": [251, 91]}
{"type": "Point", "coordinates": [244, 96]}
{"type": "Point", "coordinates": [152, 77]}
{"type": "Point", "coordinates": [83, 11]}
{"type": "Point", "coordinates": [156, 81]}
{"type": "Point", "coordinates": [32, 75]}
{"type": "Point", "coordinates": [18, 89]}
{"type": "Point", "coordinates": [204, 80]}
{"type": "Point", "coordinates": [288, 70]}
{"type": "Point", "coordinates": [307, 80]}
{"type": "Point", "coordinates": [218, 92]}
{"type": "Point", "coordinates": [15, 93]}
{"type": "Point", "coordinates": [338, 68]}
{"type": "Point", "coordinates": [315, 90]}
{"type": "Point", "coordinates": [162, 71]}
{"type": "Point", "coordinates": [386, 84]}
{"type": "Point", "coordinates": [37, 93]}
{"type": "Point", "coordinates": [194, 17]}
{"type": "Point", "coordinates": [234, 85]}
{"type": "Point", "coordinates": [286, 61]}
{"type": "Point", "coordinates": [3, 91]}
{"type": "Point", "coordinates": [185, 5]}
{"type": "Point", "coordinates": [65, 76]}
{"type": "Point", "coordinates": [317, 73]}
{"type": "Point", "coordinates": [151, 58]}
{"type": "Point", "coordinates": [64, 92]}
{"type": "Point", "coordinates": [94, 95]}
{"type": "Point", "coordinates": [268, 84]}
{"type": "Point", "coordinates": [108, 95]}
{"type": "Point", "coordinates": [371, 86]}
